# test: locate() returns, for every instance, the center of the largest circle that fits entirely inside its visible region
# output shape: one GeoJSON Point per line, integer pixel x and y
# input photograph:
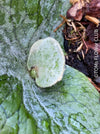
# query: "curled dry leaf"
{"type": "Point", "coordinates": [82, 7]}
{"type": "Point", "coordinates": [93, 8]}
{"type": "Point", "coordinates": [92, 45]}
{"type": "Point", "coordinates": [75, 12]}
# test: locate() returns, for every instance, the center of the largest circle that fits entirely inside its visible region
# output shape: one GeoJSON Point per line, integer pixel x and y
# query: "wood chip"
{"type": "Point", "coordinates": [92, 19]}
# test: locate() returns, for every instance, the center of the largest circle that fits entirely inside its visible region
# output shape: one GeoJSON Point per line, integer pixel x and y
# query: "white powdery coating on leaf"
{"type": "Point", "coordinates": [47, 56]}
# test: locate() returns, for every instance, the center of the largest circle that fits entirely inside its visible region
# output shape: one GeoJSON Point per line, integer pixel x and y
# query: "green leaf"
{"type": "Point", "coordinates": [13, 116]}
{"type": "Point", "coordinates": [46, 62]}
{"type": "Point", "coordinates": [70, 107]}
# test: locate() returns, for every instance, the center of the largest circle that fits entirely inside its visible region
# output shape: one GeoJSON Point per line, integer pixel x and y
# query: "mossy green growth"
{"type": "Point", "coordinates": [46, 62]}
{"type": "Point", "coordinates": [33, 73]}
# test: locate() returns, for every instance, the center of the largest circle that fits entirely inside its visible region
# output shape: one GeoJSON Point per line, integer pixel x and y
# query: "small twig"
{"type": "Point", "coordinates": [71, 38]}
{"type": "Point", "coordinates": [78, 57]}
{"type": "Point", "coordinates": [98, 88]}
{"type": "Point", "coordinates": [64, 20]}
{"type": "Point", "coordinates": [83, 41]}
{"type": "Point", "coordinates": [67, 57]}
{"type": "Point", "coordinates": [80, 47]}
{"type": "Point", "coordinates": [59, 25]}
{"type": "Point", "coordinates": [83, 55]}
{"type": "Point", "coordinates": [74, 26]}
{"type": "Point", "coordinates": [82, 28]}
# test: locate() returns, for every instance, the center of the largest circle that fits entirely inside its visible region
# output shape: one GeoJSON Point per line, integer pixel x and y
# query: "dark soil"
{"type": "Point", "coordinates": [80, 43]}
{"type": "Point", "coordinates": [85, 65]}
